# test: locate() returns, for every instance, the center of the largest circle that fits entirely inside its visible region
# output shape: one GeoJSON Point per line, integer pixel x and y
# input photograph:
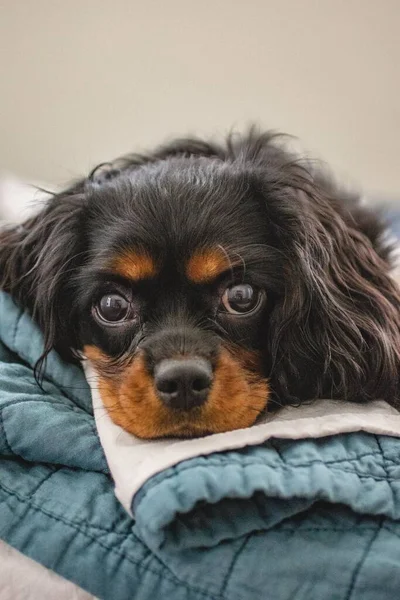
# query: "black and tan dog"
{"type": "Point", "coordinates": [209, 283]}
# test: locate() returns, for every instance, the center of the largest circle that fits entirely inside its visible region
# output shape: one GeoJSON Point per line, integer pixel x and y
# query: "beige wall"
{"type": "Point", "coordinates": [85, 80]}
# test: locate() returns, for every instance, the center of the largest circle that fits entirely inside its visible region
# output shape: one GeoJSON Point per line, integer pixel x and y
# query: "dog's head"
{"type": "Point", "coordinates": [206, 283]}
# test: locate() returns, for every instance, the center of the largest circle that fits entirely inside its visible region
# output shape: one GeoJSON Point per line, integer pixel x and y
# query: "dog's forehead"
{"type": "Point", "coordinates": [190, 211]}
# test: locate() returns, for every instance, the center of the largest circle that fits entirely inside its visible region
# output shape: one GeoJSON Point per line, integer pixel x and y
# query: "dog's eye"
{"type": "Point", "coordinates": [113, 308]}
{"type": "Point", "coordinates": [241, 299]}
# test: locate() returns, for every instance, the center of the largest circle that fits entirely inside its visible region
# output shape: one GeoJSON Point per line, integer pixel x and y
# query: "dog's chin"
{"type": "Point", "coordinates": [189, 426]}
{"type": "Point", "coordinates": [237, 399]}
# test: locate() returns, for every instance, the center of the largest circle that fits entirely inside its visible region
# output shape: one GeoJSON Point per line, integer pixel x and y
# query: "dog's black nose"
{"type": "Point", "coordinates": [184, 383]}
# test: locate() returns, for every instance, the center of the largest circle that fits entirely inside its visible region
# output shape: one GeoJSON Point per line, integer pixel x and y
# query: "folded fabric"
{"type": "Point", "coordinates": [201, 502]}
{"type": "Point", "coordinates": [276, 519]}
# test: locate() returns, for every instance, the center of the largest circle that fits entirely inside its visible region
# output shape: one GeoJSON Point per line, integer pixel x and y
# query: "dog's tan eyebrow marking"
{"type": "Point", "coordinates": [206, 265]}
{"type": "Point", "coordinates": [134, 265]}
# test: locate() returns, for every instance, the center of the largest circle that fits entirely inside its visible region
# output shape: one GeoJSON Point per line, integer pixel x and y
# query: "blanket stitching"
{"type": "Point", "coordinates": [150, 484]}
{"type": "Point", "coordinates": [386, 528]}
{"type": "Point", "coordinates": [79, 525]}
{"type": "Point", "coordinates": [277, 449]}
{"type": "Point", "coordinates": [159, 572]}
{"type": "Point", "coordinates": [382, 456]}
{"type": "Point", "coordinates": [88, 421]}
{"type": "Point", "coordinates": [70, 388]}
{"type": "Point", "coordinates": [235, 558]}
{"type": "Point", "coordinates": [46, 478]}
{"type": "Point", "coordinates": [92, 425]}
{"type": "Point", "coordinates": [22, 498]}
{"type": "Point", "coordinates": [73, 522]}
{"type": "Point", "coordinates": [19, 351]}
{"type": "Point", "coordinates": [16, 326]}
{"type": "Point", "coordinates": [49, 376]}
{"type": "Point", "coordinates": [362, 561]}
{"type": "Point", "coordinates": [74, 408]}
{"type": "Point", "coordinates": [111, 529]}
{"type": "Point", "coordinates": [339, 529]}
{"type": "Point", "coordinates": [366, 475]}
{"type": "Point", "coordinates": [3, 429]}
{"type": "Point", "coordinates": [254, 461]}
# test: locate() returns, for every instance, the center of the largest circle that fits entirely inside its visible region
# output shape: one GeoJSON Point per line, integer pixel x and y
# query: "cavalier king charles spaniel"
{"type": "Point", "coordinates": [208, 284]}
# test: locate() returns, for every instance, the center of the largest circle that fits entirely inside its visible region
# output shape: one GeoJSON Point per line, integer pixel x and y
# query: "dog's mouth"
{"type": "Point", "coordinates": [182, 397]}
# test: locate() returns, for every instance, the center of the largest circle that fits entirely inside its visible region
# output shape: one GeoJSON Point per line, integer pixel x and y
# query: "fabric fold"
{"type": "Point", "coordinates": [247, 514]}
{"type": "Point", "coordinates": [49, 424]}
{"type": "Point", "coordinates": [188, 494]}
{"type": "Point", "coordinates": [200, 503]}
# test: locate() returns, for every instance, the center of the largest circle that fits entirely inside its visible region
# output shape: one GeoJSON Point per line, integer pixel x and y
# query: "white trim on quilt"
{"type": "Point", "coordinates": [133, 461]}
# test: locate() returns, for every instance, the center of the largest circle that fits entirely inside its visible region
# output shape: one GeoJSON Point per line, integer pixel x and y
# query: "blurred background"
{"type": "Point", "coordinates": [84, 81]}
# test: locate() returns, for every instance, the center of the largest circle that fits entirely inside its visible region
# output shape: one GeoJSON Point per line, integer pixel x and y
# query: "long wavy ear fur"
{"type": "Point", "coordinates": [336, 331]}
{"type": "Point", "coordinates": [39, 257]}
{"type": "Point", "coordinates": [36, 262]}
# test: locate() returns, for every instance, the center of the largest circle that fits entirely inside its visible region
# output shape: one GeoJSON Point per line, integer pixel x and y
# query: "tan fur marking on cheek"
{"type": "Point", "coordinates": [237, 397]}
{"type": "Point", "coordinates": [206, 265]}
{"type": "Point", "coordinates": [132, 403]}
{"type": "Point", "coordinates": [134, 265]}
{"type": "Point", "coordinates": [130, 398]}
{"type": "Point", "coordinates": [95, 354]}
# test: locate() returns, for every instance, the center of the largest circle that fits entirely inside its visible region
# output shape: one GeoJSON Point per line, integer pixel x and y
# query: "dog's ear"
{"type": "Point", "coordinates": [336, 330]}
{"type": "Point", "coordinates": [37, 261]}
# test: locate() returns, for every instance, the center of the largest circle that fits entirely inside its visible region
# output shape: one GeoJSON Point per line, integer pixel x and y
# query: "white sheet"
{"type": "Point", "coordinates": [24, 579]}
{"type": "Point", "coordinates": [133, 461]}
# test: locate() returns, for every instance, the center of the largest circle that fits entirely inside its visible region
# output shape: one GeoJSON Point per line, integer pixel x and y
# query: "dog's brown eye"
{"type": "Point", "coordinates": [241, 299]}
{"type": "Point", "coordinates": [113, 308]}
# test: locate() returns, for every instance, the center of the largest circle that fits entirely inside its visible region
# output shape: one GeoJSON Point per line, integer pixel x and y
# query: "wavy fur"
{"type": "Point", "coordinates": [334, 329]}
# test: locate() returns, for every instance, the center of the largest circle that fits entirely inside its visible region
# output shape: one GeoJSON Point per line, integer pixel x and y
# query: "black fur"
{"type": "Point", "coordinates": [331, 323]}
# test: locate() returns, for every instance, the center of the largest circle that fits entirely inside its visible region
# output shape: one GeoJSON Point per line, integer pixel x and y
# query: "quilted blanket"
{"type": "Point", "coordinates": [283, 519]}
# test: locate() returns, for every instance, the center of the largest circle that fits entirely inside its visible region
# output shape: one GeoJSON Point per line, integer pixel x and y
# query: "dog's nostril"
{"type": "Point", "coordinates": [200, 383]}
{"type": "Point", "coordinates": [184, 383]}
{"type": "Point", "coordinates": [167, 387]}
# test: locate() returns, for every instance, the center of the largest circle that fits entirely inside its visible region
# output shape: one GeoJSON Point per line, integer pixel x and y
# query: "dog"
{"type": "Point", "coordinates": [209, 283]}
